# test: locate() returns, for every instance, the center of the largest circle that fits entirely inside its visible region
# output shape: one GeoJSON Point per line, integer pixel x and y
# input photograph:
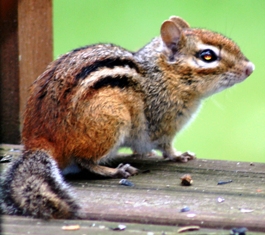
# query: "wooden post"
{"type": "Point", "coordinates": [9, 74]}
{"type": "Point", "coordinates": [25, 51]}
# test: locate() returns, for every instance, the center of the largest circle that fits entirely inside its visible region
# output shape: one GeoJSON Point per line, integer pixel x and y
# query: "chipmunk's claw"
{"type": "Point", "coordinates": [181, 157]}
{"type": "Point", "coordinates": [185, 157]}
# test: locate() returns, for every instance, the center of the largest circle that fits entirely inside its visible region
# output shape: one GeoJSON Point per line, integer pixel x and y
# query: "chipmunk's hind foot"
{"type": "Point", "coordinates": [125, 170]}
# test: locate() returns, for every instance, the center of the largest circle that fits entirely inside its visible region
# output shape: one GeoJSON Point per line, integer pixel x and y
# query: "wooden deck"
{"type": "Point", "coordinates": [153, 204]}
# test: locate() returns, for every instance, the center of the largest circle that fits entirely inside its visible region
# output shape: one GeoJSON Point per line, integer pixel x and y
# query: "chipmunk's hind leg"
{"type": "Point", "coordinates": [121, 171]}
{"type": "Point", "coordinates": [107, 123]}
{"type": "Point", "coordinates": [33, 186]}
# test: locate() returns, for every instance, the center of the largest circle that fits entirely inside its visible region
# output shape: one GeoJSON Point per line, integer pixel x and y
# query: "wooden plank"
{"type": "Point", "coordinates": [157, 195]}
{"type": "Point", "coordinates": [8, 147]}
{"type": "Point", "coordinates": [20, 225]}
{"type": "Point", "coordinates": [9, 151]}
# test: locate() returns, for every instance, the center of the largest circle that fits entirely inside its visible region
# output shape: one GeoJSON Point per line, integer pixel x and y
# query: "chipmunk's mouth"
{"type": "Point", "coordinates": [250, 67]}
{"type": "Point", "coordinates": [230, 81]}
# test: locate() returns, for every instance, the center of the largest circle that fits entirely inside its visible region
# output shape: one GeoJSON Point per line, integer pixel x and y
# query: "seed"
{"type": "Point", "coordinates": [186, 180]}
{"type": "Point", "coordinates": [126, 182]}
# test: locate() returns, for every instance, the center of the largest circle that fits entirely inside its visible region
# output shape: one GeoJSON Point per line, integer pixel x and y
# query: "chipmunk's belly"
{"type": "Point", "coordinates": [139, 143]}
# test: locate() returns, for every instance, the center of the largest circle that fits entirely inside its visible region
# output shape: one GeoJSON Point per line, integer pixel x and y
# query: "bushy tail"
{"type": "Point", "coordinates": [33, 186]}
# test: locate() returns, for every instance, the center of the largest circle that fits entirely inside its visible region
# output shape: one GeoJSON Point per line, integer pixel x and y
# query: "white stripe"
{"type": "Point", "coordinates": [104, 72]}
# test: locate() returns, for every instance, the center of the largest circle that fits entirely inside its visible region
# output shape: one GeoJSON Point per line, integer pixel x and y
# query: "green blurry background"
{"type": "Point", "coordinates": [230, 125]}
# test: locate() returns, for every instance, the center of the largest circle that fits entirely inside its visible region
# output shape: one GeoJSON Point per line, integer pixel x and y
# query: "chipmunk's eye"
{"type": "Point", "coordinates": [207, 55]}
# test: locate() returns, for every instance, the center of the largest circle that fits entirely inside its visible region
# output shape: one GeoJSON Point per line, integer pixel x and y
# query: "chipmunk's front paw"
{"type": "Point", "coordinates": [181, 157]}
{"type": "Point", "coordinates": [185, 157]}
{"type": "Point", "coordinates": [125, 170]}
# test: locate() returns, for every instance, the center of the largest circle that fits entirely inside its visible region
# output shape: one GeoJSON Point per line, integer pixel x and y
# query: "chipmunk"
{"type": "Point", "coordinates": [95, 99]}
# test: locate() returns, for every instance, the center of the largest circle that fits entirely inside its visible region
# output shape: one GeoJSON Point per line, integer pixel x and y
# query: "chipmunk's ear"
{"type": "Point", "coordinates": [179, 22]}
{"type": "Point", "coordinates": [171, 31]}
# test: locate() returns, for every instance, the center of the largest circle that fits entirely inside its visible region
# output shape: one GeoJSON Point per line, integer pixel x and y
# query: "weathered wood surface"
{"type": "Point", "coordinates": [157, 196]}
{"type": "Point", "coordinates": [23, 226]}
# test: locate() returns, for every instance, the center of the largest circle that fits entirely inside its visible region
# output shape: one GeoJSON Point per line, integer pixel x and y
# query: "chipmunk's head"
{"type": "Point", "coordinates": [202, 60]}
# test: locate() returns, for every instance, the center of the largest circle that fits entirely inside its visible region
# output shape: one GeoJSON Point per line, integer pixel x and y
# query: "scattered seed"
{"type": "Point", "coordinates": [188, 228]}
{"type": "Point", "coordinates": [220, 199]}
{"type": "Point", "coordinates": [238, 231]}
{"type": "Point", "coordinates": [246, 210]}
{"type": "Point", "coordinates": [120, 227]}
{"type": "Point", "coordinates": [185, 209]}
{"type": "Point", "coordinates": [6, 158]}
{"type": "Point", "coordinates": [191, 215]}
{"type": "Point", "coordinates": [71, 227]}
{"type": "Point", "coordinates": [186, 180]}
{"type": "Point", "coordinates": [15, 150]}
{"type": "Point", "coordinates": [126, 182]}
{"type": "Point", "coordinates": [150, 233]}
{"type": "Point", "coordinates": [224, 182]}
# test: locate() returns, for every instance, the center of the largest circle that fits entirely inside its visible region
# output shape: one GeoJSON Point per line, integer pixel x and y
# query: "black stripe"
{"type": "Point", "coordinates": [118, 81]}
{"type": "Point", "coordinates": [109, 63]}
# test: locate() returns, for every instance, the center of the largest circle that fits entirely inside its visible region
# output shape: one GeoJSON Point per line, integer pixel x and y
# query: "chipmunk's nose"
{"type": "Point", "coordinates": [249, 69]}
